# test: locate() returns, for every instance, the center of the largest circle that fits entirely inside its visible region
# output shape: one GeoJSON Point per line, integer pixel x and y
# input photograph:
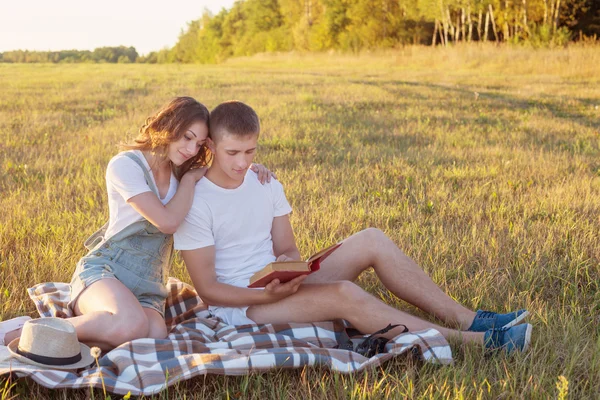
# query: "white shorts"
{"type": "Point", "coordinates": [231, 315]}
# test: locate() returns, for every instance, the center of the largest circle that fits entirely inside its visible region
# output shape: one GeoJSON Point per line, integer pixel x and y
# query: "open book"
{"type": "Point", "coordinates": [285, 271]}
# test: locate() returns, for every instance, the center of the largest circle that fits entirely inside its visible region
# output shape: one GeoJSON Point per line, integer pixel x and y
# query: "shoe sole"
{"type": "Point", "coordinates": [527, 337]}
{"type": "Point", "coordinates": [517, 320]}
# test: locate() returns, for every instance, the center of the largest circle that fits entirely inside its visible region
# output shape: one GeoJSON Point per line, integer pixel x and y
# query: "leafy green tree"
{"type": "Point", "coordinates": [210, 47]}
{"type": "Point", "coordinates": [185, 49]}
{"type": "Point", "coordinates": [332, 24]}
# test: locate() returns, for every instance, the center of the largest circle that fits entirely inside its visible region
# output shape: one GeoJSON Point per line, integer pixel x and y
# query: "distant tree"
{"type": "Point", "coordinates": [210, 48]}
{"type": "Point", "coordinates": [150, 58]}
{"type": "Point", "coordinates": [131, 53]}
{"type": "Point", "coordinates": [185, 49]}
{"type": "Point", "coordinates": [112, 54]}
{"type": "Point", "coordinates": [263, 28]}
{"type": "Point", "coordinates": [582, 16]}
{"type": "Point", "coordinates": [262, 15]}
{"type": "Point", "coordinates": [165, 56]}
{"type": "Point", "coordinates": [331, 25]}
{"type": "Point", "coordinates": [297, 19]}
{"type": "Point", "coordinates": [233, 28]}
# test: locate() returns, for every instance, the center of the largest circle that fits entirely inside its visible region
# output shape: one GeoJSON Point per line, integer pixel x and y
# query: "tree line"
{"type": "Point", "coordinates": [254, 26]}
{"type": "Point", "coordinates": [120, 54]}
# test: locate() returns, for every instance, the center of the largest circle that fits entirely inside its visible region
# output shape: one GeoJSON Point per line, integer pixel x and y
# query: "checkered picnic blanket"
{"type": "Point", "coordinates": [199, 344]}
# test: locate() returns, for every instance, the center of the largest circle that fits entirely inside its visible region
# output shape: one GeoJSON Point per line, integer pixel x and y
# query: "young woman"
{"type": "Point", "coordinates": [118, 289]}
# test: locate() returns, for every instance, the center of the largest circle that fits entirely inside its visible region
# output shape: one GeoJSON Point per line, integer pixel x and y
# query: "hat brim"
{"type": "Point", "coordinates": [86, 357]}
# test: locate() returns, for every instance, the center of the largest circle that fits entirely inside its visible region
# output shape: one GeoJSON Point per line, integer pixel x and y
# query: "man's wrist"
{"type": "Point", "coordinates": [269, 297]}
{"type": "Point", "coordinates": [293, 255]}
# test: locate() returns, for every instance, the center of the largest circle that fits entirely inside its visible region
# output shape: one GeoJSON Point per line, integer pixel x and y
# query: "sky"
{"type": "Point", "coordinates": [84, 25]}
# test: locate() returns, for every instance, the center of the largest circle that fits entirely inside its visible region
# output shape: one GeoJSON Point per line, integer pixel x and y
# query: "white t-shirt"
{"type": "Point", "coordinates": [125, 179]}
{"type": "Point", "coordinates": [237, 222]}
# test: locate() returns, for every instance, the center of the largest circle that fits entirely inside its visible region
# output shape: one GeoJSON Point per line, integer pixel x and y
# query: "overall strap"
{"type": "Point", "coordinates": [98, 237]}
{"type": "Point", "coordinates": [139, 162]}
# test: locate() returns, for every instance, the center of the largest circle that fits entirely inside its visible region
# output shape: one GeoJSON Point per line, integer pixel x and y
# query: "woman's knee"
{"type": "Point", "coordinates": [157, 330]}
{"type": "Point", "coordinates": [127, 328]}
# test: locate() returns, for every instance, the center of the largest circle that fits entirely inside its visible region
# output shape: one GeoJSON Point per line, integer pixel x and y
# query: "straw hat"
{"type": "Point", "coordinates": [50, 343]}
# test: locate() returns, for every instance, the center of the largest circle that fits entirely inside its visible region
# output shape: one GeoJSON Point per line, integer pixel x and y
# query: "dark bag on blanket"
{"type": "Point", "coordinates": [366, 345]}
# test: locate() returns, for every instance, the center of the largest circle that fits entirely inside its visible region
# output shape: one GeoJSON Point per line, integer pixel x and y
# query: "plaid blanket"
{"type": "Point", "coordinates": [198, 344]}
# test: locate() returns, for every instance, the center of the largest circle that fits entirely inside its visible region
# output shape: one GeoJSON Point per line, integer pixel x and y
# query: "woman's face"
{"type": "Point", "coordinates": [189, 144]}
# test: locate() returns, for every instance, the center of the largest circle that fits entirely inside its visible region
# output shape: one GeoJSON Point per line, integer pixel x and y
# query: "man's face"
{"type": "Point", "coordinates": [234, 155]}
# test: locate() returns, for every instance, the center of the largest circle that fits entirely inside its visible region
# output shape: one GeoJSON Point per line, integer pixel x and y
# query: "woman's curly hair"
{"type": "Point", "coordinates": [168, 125]}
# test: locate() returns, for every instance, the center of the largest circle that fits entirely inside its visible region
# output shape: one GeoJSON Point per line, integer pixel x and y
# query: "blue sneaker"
{"type": "Point", "coordinates": [510, 340]}
{"type": "Point", "coordinates": [486, 320]}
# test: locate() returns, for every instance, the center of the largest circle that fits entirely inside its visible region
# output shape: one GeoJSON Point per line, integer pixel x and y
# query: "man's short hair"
{"type": "Point", "coordinates": [234, 118]}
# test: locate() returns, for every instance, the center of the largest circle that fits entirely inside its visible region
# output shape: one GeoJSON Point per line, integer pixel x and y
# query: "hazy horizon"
{"type": "Point", "coordinates": [71, 25]}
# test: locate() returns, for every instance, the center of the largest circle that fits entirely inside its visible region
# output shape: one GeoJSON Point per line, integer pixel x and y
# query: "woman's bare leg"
{"type": "Point", "coordinates": [108, 315]}
{"type": "Point", "coordinates": [157, 328]}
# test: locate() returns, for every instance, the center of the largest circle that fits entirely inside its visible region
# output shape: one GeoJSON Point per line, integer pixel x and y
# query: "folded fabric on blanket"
{"type": "Point", "coordinates": [198, 344]}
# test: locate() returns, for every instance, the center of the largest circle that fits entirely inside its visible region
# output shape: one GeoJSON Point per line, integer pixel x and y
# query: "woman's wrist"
{"type": "Point", "coordinates": [188, 177]}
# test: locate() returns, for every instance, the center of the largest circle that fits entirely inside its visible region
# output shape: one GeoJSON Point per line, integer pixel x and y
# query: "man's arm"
{"type": "Point", "coordinates": [284, 242]}
{"type": "Point", "coordinates": [200, 264]}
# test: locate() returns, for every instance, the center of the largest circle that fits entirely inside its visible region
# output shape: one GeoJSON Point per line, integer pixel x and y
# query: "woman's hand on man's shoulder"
{"type": "Point", "coordinates": [264, 175]}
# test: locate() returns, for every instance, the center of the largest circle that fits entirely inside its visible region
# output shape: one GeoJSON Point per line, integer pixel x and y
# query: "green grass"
{"type": "Point", "coordinates": [482, 163]}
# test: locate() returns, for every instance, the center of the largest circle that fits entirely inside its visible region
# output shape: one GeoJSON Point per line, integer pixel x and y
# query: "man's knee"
{"type": "Point", "coordinates": [376, 240]}
{"type": "Point", "coordinates": [372, 235]}
{"type": "Point", "coordinates": [345, 292]}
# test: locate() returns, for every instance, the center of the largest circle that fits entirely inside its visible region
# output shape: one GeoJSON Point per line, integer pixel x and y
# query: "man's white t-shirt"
{"type": "Point", "coordinates": [125, 179]}
{"type": "Point", "coordinates": [237, 222]}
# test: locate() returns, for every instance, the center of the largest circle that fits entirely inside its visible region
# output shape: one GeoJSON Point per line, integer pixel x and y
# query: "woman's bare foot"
{"type": "Point", "coordinates": [11, 329]}
{"type": "Point", "coordinates": [12, 335]}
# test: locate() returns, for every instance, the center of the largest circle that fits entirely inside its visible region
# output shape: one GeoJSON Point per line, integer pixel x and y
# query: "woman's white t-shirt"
{"type": "Point", "coordinates": [125, 179]}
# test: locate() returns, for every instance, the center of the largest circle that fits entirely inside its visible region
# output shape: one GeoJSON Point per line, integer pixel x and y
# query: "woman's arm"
{"type": "Point", "coordinates": [168, 217]}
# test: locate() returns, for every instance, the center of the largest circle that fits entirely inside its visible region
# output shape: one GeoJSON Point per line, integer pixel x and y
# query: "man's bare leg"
{"type": "Point", "coordinates": [398, 273]}
{"type": "Point", "coordinates": [344, 299]}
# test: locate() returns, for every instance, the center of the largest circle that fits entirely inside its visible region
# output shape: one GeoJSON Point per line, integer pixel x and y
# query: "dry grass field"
{"type": "Point", "coordinates": [482, 163]}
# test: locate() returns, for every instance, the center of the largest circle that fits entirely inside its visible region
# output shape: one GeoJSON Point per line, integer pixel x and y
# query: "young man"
{"type": "Point", "coordinates": [237, 226]}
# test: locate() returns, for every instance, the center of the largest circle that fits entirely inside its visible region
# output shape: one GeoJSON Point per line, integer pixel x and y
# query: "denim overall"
{"type": "Point", "coordinates": [138, 256]}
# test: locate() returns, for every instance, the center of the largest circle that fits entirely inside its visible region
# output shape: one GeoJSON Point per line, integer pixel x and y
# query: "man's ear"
{"type": "Point", "coordinates": [211, 145]}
